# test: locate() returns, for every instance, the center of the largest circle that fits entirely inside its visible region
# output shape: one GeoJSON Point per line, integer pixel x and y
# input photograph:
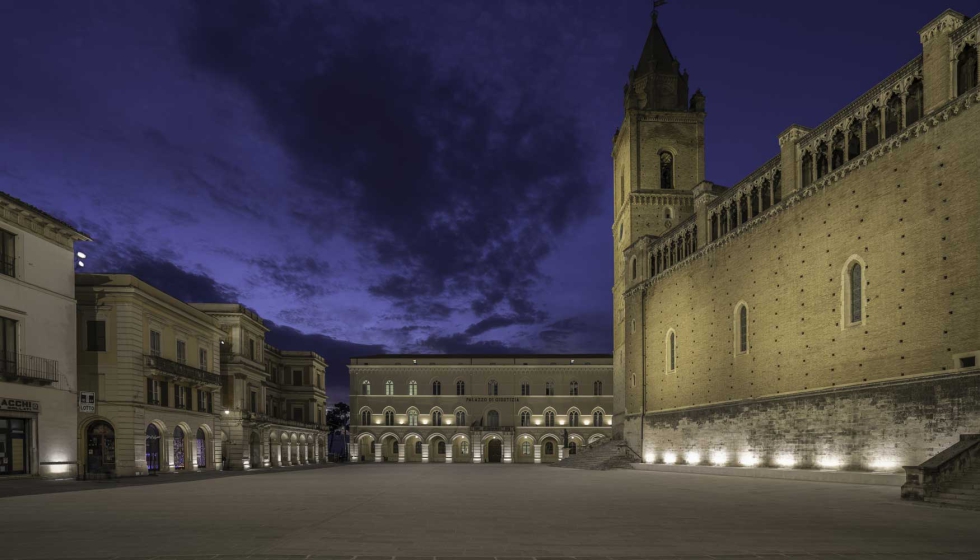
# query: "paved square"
{"type": "Point", "coordinates": [483, 510]}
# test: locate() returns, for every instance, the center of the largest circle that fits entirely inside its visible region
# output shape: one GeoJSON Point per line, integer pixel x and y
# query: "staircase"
{"type": "Point", "coordinates": [962, 492]}
{"type": "Point", "coordinates": [951, 478]}
{"type": "Point", "coordinates": [600, 456]}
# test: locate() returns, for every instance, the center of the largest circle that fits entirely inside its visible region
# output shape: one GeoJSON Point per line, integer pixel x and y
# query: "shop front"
{"type": "Point", "coordinates": [18, 434]}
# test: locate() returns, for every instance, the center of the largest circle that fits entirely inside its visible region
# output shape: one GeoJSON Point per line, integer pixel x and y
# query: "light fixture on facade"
{"type": "Point", "coordinates": [884, 464]}
{"type": "Point", "coordinates": [81, 264]}
{"type": "Point", "coordinates": [650, 457]}
{"type": "Point", "coordinates": [786, 461]}
{"type": "Point", "coordinates": [719, 458]}
{"type": "Point", "coordinates": [748, 460]}
{"type": "Point", "coordinates": [692, 458]}
{"type": "Point", "coordinates": [227, 412]}
{"type": "Point", "coordinates": [829, 463]}
{"type": "Point", "coordinates": [670, 458]}
{"type": "Point", "coordinates": [80, 255]}
{"type": "Point", "coordinates": [561, 422]}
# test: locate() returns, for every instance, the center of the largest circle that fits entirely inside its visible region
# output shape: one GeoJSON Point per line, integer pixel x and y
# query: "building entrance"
{"type": "Point", "coordinates": [14, 448]}
{"type": "Point", "coordinates": [493, 451]}
{"type": "Point", "coordinates": [101, 448]}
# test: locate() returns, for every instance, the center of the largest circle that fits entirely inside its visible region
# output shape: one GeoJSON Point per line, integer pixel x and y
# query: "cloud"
{"type": "Point", "coordinates": [461, 343]}
{"type": "Point", "coordinates": [454, 186]}
{"type": "Point", "coordinates": [303, 277]}
{"type": "Point", "coordinates": [163, 274]}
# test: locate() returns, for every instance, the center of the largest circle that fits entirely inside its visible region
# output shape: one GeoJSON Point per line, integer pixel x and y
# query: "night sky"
{"type": "Point", "coordinates": [403, 176]}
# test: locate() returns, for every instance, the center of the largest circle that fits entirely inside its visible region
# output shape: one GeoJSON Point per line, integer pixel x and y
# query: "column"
{"type": "Point", "coordinates": [508, 448]}
{"type": "Point", "coordinates": [562, 452]}
{"type": "Point", "coordinates": [537, 453]}
{"type": "Point", "coordinates": [355, 452]}
{"type": "Point", "coordinates": [166, 452]}
{"type": "Point", "coordinates": [477, 449]}
{"type": "Point", "coordinates": [377, 452]}
{"type": "Point", "coordinates": [449, 452]}
{"type": "Point", "coordinates": [425, 452]}
{"type": "Point", "coordinates": [401, 453]}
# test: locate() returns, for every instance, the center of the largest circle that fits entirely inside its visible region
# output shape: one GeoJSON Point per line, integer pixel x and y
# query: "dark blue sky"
{"type": "Point", "coordinates": [395, 176]}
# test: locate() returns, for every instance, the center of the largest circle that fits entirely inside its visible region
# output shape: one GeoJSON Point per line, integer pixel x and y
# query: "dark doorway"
{"type": "Point", "coordinates": [202, 453]}
{"type": "Point", "coordinates": [101, 448]}
{"type": "Point", "coordinates": [14, 457]}
{"type": "Point", "coordinates": [493, 451]}
{"type": "Point", "coordinates": [152, 448]}
{"type": "Point", "coordinates": [179, 448]}
{"type": "Point", "coordinates": [254, 452]}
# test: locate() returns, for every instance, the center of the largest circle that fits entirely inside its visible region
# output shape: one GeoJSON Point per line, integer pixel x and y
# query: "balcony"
{"type": "Point", "coordinates": [260, 417]}
{"type": "Point", "coordinates": [26, 368]}
{"type": "Point", "coordinates": [176, 369]}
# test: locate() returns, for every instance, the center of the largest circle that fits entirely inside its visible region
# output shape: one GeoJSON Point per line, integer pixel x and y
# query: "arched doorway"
{"type": "Point", "coordinates": [101, 448]}
{"type": "Point", "coordinates": [571, 448]}
{"type": "Point", "coordinates": [254, 451]}
{"type": "Point", "coordinates": [202, 453]}
{"type": "Point", "coordinates": [494, 451]}
{"type": "Point", "coordinates": [179, 448]}
{"type": "Point", "coordinates": [152, 448]}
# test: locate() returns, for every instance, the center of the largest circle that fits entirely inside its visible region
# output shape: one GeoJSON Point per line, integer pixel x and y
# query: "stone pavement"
{"type": "Point", "coordinates": [400, 510]}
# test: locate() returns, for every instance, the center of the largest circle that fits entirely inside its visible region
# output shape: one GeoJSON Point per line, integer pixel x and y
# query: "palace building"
{"type": "Point", "coordinates": [825, 310]}
{"type": "Point", "coordinates": [183, 387]}
{"type": "Point", "coordinates": [37, 342]}
{"type": "Point", "coordinates": [478, 408]}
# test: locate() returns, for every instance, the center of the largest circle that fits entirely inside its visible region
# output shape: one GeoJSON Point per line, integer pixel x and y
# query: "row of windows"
{"type": "Point", "coordinates": [750, 204]}
{"type": "Point", "coordinates": [464, 447]}
{"type": "Point", "coordinates": [159, 392]}
{"type": "Point", "coordinates": [852, 314]}
{"type": "Point", "coordinates": [492, 418]}
{"type": "Point", "coordinates": [492, 388]}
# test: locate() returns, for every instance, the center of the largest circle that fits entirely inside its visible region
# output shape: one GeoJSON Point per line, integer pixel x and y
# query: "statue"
{"type": "Point", "coordinates": [565, 438]}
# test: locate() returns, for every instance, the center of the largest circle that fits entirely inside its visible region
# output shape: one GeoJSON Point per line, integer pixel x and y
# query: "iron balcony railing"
{"type": "Point", "coordinates": [178, 369]}
{"type": "Point", "coordinates": [14, 366]}
{"type": "Point", "coordinates": [260, 417]}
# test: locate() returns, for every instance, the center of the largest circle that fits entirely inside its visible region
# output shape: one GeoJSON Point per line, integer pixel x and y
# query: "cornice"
{"type": "Point", "coordinates": [48, 229]}
{"type": "Point", "coordinates": [937, 118]}
{"type": "Point", "coordinates": [946, 22]}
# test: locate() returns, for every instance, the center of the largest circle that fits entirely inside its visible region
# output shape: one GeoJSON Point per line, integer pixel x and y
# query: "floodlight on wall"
{"type": "Point", "coordinates": [719, 458]}
{"type": "Point", "coordinates": [692, 458]}
{"type": "Point", "coordinates": [829, 463]}
{"type": "Point", "coordinates": [670, 458]}
{"type": "Point", "coordinates": [748, 460]}
{"type": "Point", "coordinates": [227, 412]}
{"type": "Point", "coordinates": [81, 264]}
{"type": "Point", "coordinates": [80, 255]}
{"type": "Point", "coordinates": [786, 461]}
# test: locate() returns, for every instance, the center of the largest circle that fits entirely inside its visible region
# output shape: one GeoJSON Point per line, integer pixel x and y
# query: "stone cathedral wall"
{"type": "Point", "coordinates": [908, 214]}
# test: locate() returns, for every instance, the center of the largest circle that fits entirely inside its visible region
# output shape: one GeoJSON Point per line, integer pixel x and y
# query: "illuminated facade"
{"type": "Point", "coordinates": [477, 408]}
{"type": "Point", "coordinates": [822, 312]}
{"type": "Point", "coordinates": [37, 342]}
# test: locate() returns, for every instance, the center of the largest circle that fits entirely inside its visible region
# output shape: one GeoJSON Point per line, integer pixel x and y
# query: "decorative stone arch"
{"type": "Point", "coordinates": [360, 437]}
{"type": "Point", "coordinates": [969, 41]}
{"type": "Point", "coordinates": [187, 448]}
{"type": "Point", "coordinates": [432, 415]}
{"type": "Point", "coordinates": [461, 448]}
{"type": "Point", "coordinates": [411, 442]}
{"type": "Point", "coordinates": [360, 415]}
{"type": "Point", "coordinates": [524, 448]}
{"type": "Point", "coordinates": [592, 417]}
{"type": "Point", "coordinates": [555, 441]}
{"type": "Point", "coordinates": [465, 415]}
{"type": "Point", "coordinates": [209, 458]}
{"type": "Point", "coordinates": [595, 438]}
{"type": "Point", "coordinates": [408, 415]}
{"type": "Point", "coordinates": [455, 385]}
{"type": "Point", "coordinates": [486, 418]}
{"type": "Point", "coordinates": [544, 415]}
{"type": "Point", "coordinates": [737, 328]}
{"type": "Point", "coordinates": [568, 415]}
{"type": "Point", "coordinates": [388, 453]}
{"type": "Point", "coordinates": [846, 292]}
{"type": "Point", "coordinates": [411, 435]}
{"type": "Point", "coordinates": [384, 414]}
{"type": "Point", "coordinates": [670, 352]}
{"type": "Point", "coordinates": [83, 457]}
{"type": "Point", "coordinates": [667, 167]}
{"type": "Point", "coordinates": [364, 452]}
{"type": "Point", "coordinates": [530, 416]}
{"type": "Point", "coordinates": [434, 437]}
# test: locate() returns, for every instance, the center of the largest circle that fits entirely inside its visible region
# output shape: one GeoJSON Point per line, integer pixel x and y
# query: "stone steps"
{"type": "Point", "coordinates": [607, 455]}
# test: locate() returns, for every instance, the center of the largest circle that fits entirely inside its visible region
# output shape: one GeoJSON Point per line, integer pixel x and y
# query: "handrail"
{"type": "Point", "coordinates": [925, 480]}
{"type": "Point", "coordinates": [181, 370]}
{"type": "Point", "coordinates": [27, 367]}
{"type": "Point", "coordinates": [631, 453]}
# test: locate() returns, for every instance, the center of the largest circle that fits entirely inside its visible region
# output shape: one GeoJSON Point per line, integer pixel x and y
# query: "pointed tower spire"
{"type": "Point", "coordinates": [657, 82]}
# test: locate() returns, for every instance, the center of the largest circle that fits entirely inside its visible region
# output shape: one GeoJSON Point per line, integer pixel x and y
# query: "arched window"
{"type": "Point", "coordinates": [755, 205]}
{"type": "Point", "coordinates": [549, 448]}
{"type": "Point", "coordinates": [549, 419]}
{"type": "Point", "coordinates": [418, 447]}
{"type": "Point", "coordinates": [854, 140]}
{"type": "Point", "coordinates": [573, 419]}
{"type": "Point", "coordinates": [460, 387]}
{"type": "Point", "coordinates": [597, 418]}
{"type": "Point", "coordinates": [777, 191]}
{"type": "Point", "coordinates": [671, 351]}
{"type": "Point", "coordinates": [667, 214]}
{"type": "Point", "coordinates": [893, 116]}
{"type": "Point", "coordinates": [389, 387]}
{"type": "Point", "coordinates": [525, 447]}
{"type": "Point", "coordinates": [573, 388]}
{"type": "Point", "coordinates": [441, 448]}
{"type": "Point", "coordinates": [366, 388]}
{"type": "Point", "coordinates": [821, 160]}
{"type": "Point", "coordinates": [549, 389]}
{"type": "Point", "coordinates": [365, 417]}
{"type": "Point", "coordinates": [741, 329]}
{"type": "Point", "coordinates": [837, 150]}
{"type": "Point", "coordinates": [666, 170]}
{"type": "Point", "coordinates": [413, 388]}
{"type": "Point", "coordinates": [525, 388]}
{"type": "Point", "coordinates": [633, 265]}
{"type": "Point", "coordinates": [597, 388]}
{"type": "Point", "coordinates": [394, 447]}
{"type": "Point", "coordinates": [493, 419]}
{"type": "Point", "coordinates": [966, 70]}
{"type": "Point", "coordinates": [389, 418]}
{"type": "Point", "coordinates": [807, 169]}
{"type": "Point", "coordinates": [914, 103]}
{"type": "Point", "coordinates": [714, 227]}
{"type": "Point", "coordinates": [460, 417]}
{"type": "Point", "coordinates": [856, 285]}
{"type": "Point", "coordinates": [525, 418]}
{"type": "Point", "coordinates": [436, 388]}
{"type": "Point", "coordinates": [464, 447]}
{"type": "Point", "coordinates": [871, 129]}
{"type": "Point", "coordinates": [413, 417]}
{"type": "Point", "coordinates": [732, 217]}
{"type": "Point", "coordinates": [744, 204]}
{"type": "Point", "coordinates": [436, 418]}
{"type": "Point", "coordinates": [491, 387]}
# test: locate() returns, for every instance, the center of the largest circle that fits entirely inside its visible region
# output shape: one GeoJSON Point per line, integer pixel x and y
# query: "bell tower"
{"type": "Point", "coordinates": [658, 159]}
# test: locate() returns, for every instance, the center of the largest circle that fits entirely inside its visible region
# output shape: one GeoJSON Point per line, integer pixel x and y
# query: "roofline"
{"type": "Point", "coordinates": [76, 235]}
{"type": "Point", "coordinates": [457, 356]}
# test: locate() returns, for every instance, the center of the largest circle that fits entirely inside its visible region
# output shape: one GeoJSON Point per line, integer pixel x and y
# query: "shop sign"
{"type": "Point", "coordinates": [86, 401]}
{"type": "Point", "coordinates": [19, 405]}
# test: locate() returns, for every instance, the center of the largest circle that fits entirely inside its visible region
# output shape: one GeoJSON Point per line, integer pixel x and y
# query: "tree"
{"type": "Point", "coordinates": [338, 418]}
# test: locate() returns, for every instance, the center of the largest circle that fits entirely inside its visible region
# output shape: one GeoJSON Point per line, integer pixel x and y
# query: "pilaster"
{"type": "Point", "coordinates": [790, 177]}
{"type": "Point", "coordinates": [937, 70]}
